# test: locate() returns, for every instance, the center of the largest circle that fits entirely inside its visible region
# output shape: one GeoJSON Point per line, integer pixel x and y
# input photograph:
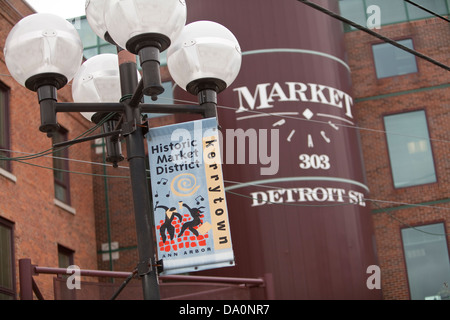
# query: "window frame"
{"type": "Point", "coordinates": [65, 183]}
{"type": "Point", "coordinates": [372, 45]}
{"type": "Point", "coordinates": [389, 155]}
{"type": "Point", "coordinates": [6, 127]}
{"type": "Point", "coordinates": [13, 291]}
{"type": "Point", "coordinates": [69, 253]}
{"type": "Point", "coordinates": [407, 6]}
{"type": "Point", "coordinates": [418, 225]}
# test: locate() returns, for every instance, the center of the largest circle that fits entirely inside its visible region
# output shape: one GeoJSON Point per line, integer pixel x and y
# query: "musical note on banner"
{"type": "Point", "coordinates": [201, 199]}
{"type": "Point", "coordinates": [163, 180]}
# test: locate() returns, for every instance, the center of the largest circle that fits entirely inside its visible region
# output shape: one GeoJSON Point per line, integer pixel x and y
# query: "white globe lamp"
{"type": "Point", "coordinates": [43, 49]}
{"type": "Point", "coordinates": [134, 24]}
{"type": "Point", "coordinates": [98, 80]}
{"type": "Point", "coordinates": [205, 56]}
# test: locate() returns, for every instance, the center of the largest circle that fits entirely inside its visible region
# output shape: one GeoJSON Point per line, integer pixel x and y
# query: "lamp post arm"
{"type": "Point", "coordinates": [89, 107]}
{"type": "Point", "coordinates": [120, 107]}
{"type": "Point", "coordinates": [175, 108]}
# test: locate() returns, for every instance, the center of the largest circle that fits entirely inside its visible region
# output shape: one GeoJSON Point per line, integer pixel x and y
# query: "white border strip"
{"type": "Point", "coordinates": [8, 175]}
{"type": "Point", "coordinates": [334, 117]}
{"type": "Point", "coordinates": [268, 114]}
{"type": "Point", "coordinates": [64, 206]}
{"type": "Point", "coordinates": [287, 179]}
{"type": "Point", "coordinates": [317, 53]}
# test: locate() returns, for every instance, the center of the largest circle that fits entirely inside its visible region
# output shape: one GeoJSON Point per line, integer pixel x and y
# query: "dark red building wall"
{"type": "Point", "coordinates": [315, 236]}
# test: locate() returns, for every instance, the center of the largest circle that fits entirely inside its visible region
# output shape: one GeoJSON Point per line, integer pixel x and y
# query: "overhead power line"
{"type": "Point", "coordinates": [372, 33]}
{"type": "Point", "coordinates": [52, 150]}
{"type": "Point", "coordinates": [408, 224]}
{"type": "Point", "coordinates": [227, 181]}
{"type": "Point", "coordinates": [282, 116]}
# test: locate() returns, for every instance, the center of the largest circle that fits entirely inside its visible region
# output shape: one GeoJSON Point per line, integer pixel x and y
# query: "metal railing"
{"type": "Point", "coordinates": [29, 287]}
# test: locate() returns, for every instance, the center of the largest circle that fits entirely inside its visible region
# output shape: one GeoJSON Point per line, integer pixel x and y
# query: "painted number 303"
{"type": "Point", "coordinates": [314, 161]}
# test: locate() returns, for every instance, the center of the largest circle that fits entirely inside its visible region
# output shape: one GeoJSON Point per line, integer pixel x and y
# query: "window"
{"type": "Point", "coordinates": [65, 257]}
{"type": "Point", "coordinates": [437, 6]}
{"type": "Point", "coordinates": [7, 278]}
{"type": "Point", "coordinates": [392, 61]}
{"type": "Point", "coordinates": [353, 10]}
{"type": "Point", "coordinates": [409, 149]}
{"type": "Point", "coordinates": [391, 11]}
{"type": "Point", "coordinates": [93, 45]}
{"type": "Point", "coordinates": [61, 166]}
{"type": "Point", "coordinates": [427, 261]}
{"type": "Point", "coordinates": [4, 127]}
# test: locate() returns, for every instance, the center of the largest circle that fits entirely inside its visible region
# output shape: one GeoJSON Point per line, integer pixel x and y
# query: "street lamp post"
{"type": "Point", "coordinates": [43, 53]}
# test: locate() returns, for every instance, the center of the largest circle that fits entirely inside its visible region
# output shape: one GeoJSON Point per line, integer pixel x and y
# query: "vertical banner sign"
{"type": "Point", "coordinates": [190, 210]}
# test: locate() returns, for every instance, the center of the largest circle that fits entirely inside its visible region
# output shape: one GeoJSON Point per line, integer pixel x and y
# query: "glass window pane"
{"type": "Point", "coordinates": [59, 164]}
{"type": "Point", "coordinates": [163, 58]}
{"type": "Point", "coordinates": [437, 6]}
{"type": "Point", "coordinates": [409, 149]}
{"type": "Point", "coordinates": [108, 49]}
{"type": "Point", "coordinates": [4, 164]}
{"type": "Point", "coordinates": [89, 53]}
{"type": "Point", "coordinates": [353, 10]}
{"type": "Point", "coordinates": [65, 257]}
{"type": "Point", "coordinates": [58, 175]}
{"type": "Point", "coordinates": [3, 119]}
{"type": "Point", "coordinates": [427, 260]}
{"type": "Point", "coordinates": [392, 61]}
{"type": "Point", "coordinates": [60, 193]}
{"type": "Point", "coordinates": [63, 260]}
{"type": "Point", "coordinates": [88, 37]}
{"type": "Point", "coordinates": [4, 127]}
{"type": "Point", "coordinates": [101, 41]}
{"type": "Point", "coordinates": [391, 11]}
{"type": "Point", "coordinates": [61, 176]}
{"type": "Point", "coordinates": [5, 258]}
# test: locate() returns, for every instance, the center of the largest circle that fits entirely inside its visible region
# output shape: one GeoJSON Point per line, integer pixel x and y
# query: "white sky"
{"type": "Point", "coordinates": [65, 8]}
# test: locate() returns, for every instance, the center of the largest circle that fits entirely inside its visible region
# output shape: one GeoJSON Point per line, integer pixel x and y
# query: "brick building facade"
{"type": "Point", "coordinates": [426, 90]}
{"type": "Point", "coordinates": [34, 224]}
